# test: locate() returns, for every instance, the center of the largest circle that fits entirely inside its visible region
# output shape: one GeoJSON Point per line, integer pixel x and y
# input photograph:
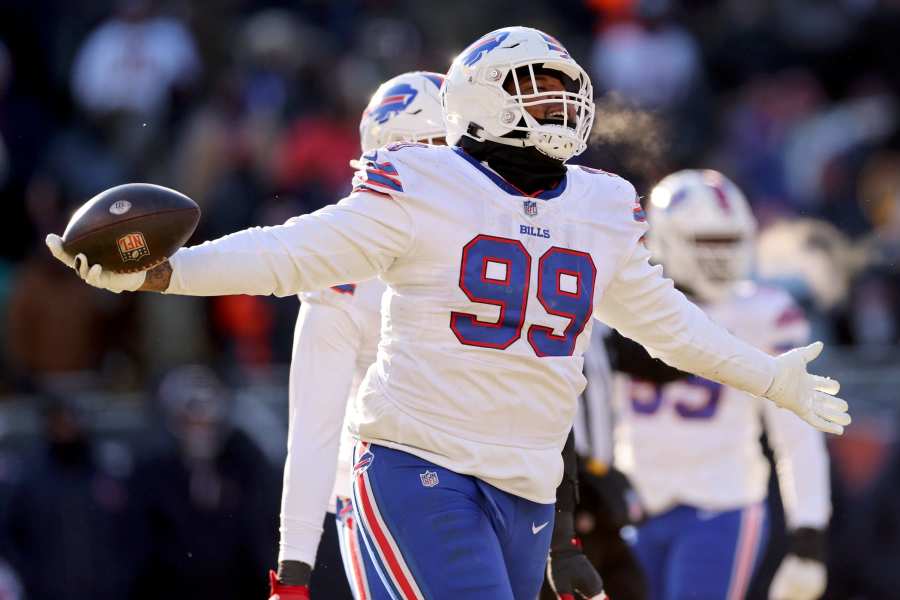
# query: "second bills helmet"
{"type": "Point", "coordinates": [406, 108]}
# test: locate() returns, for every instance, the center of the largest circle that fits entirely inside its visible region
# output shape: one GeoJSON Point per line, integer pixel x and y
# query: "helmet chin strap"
{"type": "Point", "coordinates": [480, 135]}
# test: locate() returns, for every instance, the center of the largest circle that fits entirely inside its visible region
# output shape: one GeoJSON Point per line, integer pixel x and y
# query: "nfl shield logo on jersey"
{"type": "Point", "coordinates": [530, 207]}
{"type": "Point", "coordinates": [429, 478]}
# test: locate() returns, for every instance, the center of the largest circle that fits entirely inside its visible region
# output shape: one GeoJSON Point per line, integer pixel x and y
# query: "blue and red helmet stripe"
{"type": "Point", "coordinates": [554, 44]}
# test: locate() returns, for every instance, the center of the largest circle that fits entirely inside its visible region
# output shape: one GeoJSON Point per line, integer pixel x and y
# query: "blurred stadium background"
{"type": "Point", "coordinates": [126, 473]}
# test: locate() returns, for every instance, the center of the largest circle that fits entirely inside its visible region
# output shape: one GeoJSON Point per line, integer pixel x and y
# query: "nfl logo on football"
{"type": "Point", "coordinates": [133, 246]}
{"type": "Point", "coordinates": [530, 207]}
{"type": "Point", "coordinates": [429, 478]}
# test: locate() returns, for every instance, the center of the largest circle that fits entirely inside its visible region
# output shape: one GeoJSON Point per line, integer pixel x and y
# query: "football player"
{"type": "Point", "coordinates": [335, 341]}
{"type": "Point", "coordinates": [496, 255]}
{"type": "Point", "coordinates": [691, 446]}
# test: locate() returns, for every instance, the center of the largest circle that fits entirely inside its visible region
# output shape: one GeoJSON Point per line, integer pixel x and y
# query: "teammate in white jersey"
{"type": "Point", "coordinates": [335, 342]}
{"type": "Point", "coordinates": [691, 446]}
{"type": "Point", "coordinates": [491, 290]}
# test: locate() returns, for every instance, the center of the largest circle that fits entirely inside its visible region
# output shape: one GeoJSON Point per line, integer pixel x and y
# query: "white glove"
{"type": "Point", "coordinates": [809, 396]}
{"type": "Point", "coordinates": [95, 276]}
{"type": "Point", "coordinates": [798, 579]}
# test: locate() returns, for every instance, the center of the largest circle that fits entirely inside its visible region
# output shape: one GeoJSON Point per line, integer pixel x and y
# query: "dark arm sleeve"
{"type": "Point", "coordinates": [567, 492]}
{"type": "Point", "coordinates": [629, 357]}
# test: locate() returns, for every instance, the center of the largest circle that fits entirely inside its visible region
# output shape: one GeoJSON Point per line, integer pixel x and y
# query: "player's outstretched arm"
{"type": "Point", "coordinates": [354, 240]}
{"type": "Point", "coordinates": [644, 306]}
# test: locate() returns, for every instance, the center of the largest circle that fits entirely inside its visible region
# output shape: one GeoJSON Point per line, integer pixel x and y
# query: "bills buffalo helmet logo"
{"type": "Point", "coordinates": [394, 101]}
{"type": "Point", "coordinates": [482, 47]}
{"type": "Point", "coordinates": [133, 246]}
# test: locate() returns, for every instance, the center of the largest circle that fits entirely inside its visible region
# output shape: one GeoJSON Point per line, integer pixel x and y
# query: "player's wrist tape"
{"type": "Point", "coordinates": [809, 543]}
{"type": "Point", "coordinates": [293, 572]}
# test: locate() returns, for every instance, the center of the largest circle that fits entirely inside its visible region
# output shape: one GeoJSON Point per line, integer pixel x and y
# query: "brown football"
{"type": "Point", "coordinates": [131, 227]}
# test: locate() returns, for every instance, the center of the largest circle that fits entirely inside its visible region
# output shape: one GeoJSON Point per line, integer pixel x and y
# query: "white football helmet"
{"type": "Point", "coordinates": [702, 231]}
{"type": "Point", "coordinates": [406, 108]}
{"type": "Point", "coordinates": [477, 105]}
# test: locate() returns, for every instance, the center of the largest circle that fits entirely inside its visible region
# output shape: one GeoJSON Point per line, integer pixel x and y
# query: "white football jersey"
{"type": "Point", "coordinates": [696, 442]}
{"type": "Point", "coordinates": [335, 342]}
{"type": "Point", "coordinates": [488, 308]}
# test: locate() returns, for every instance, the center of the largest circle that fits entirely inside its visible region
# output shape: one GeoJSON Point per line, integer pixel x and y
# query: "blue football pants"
{"type": "Point", "coordinates": [434, 534]}
{"type": "Point", "coordinates": [690, 553]}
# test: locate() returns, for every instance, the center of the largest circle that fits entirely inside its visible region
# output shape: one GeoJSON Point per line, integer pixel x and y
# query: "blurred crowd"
{"type": "Point", "coordinates": [251, 108]}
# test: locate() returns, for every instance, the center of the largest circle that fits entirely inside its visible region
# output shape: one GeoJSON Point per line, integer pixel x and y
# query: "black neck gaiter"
{"type": "Point", "coordinates": [526, 168]}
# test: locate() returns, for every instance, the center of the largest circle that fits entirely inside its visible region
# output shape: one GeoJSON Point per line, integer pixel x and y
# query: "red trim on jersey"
{"type": "Point", "coordinates": [363, 188]}
{"type": "Point", "coordinates": [386, 174]}
{"type": "Point", "coordinates": [384, 185]}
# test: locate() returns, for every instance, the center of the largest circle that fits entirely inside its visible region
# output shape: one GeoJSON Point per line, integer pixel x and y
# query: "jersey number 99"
{"type": "Point", "coordinates": [497, 271]}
